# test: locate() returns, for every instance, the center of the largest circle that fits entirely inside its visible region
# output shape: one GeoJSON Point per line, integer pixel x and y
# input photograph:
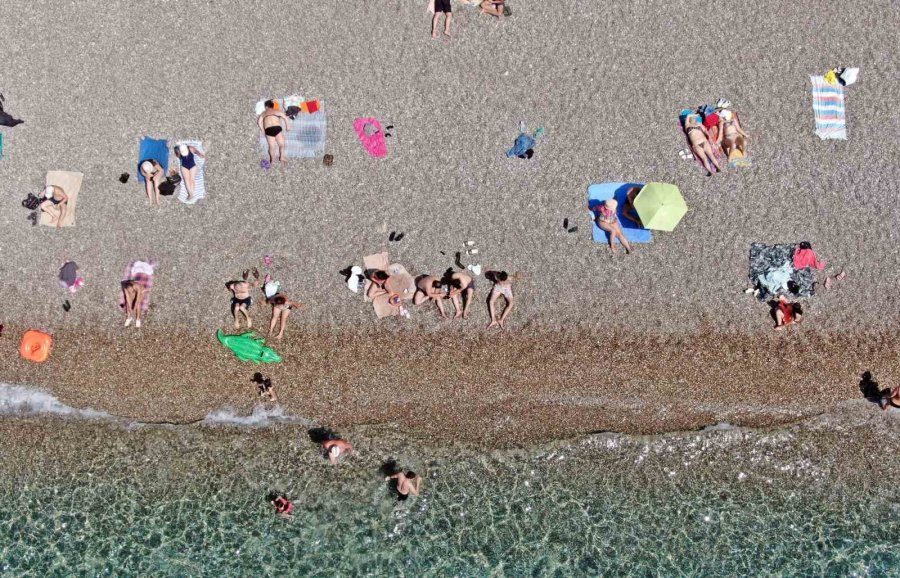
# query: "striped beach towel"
{"type": "Point", "coordinates": [306, 139]}
{"type": "Point", "coordinates": [199, 181]}
{"type": "Point", "coordinates": [828, 106]}
{"type": "Point", "coordinates": [142, 277]}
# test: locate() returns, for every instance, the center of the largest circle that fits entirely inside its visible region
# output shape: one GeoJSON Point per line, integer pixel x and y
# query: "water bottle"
{"type": "Point", "coordinates": [523, 126]}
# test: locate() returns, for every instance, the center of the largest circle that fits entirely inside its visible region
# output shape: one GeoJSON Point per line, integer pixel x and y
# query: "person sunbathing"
{"type": "Point", "coordinates": [281, 309]}
{"type": "Point", "coordinates": [55, 204]}
{"type": "Point", "coordinates": [699, 141]}
{"type": "Point", "coordinates": [787, 313]}
{"type": "Point", "coordinates": [185, 154]}
{"type": "Point", "coordinates": [376, 284]}
{"type": "Point", "coordinates": [430, 288]}
{"type": "Point", "coordinates": [241, 301]}
{"type": "Point", "coordinates": [731, 135]}
{"type": "Point", "coordinates": [629, 211]}
{"type": "Point", "coordinates": [273, 124]}
{"type": "Point", "coordinates": [493, 7]}
{"type": "Point", "coordinates": [502, 287]}
{"type": "Point", "coordinates": [153, 175]}
{"type": "Point", "coordinates": [134, 297]}
{"type": "Point", "coordinates": [462, 290]}
{"type": "Point", "coordinates": [606, 219]}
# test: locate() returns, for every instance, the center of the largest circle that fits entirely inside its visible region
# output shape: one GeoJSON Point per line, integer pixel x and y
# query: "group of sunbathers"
{"type": "Point", "coordinates": [496, 8]}
{"type": "Point", "coordinates": [458, 287]}
{"type": "Point", "coordinates": [154, 174]}
{"type": "Point", "coordinates": [710, 127]}
{"type": "Point", "coordinates": [278, 300]}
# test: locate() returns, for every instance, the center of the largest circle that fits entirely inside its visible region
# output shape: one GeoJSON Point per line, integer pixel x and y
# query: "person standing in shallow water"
{"type": "Point", "coordinates": [407, 483]}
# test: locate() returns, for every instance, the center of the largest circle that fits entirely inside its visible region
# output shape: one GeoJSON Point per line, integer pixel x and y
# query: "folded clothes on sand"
{"type": "Point", "coordinates": [523, 144]}
{"type": "Point", "coordinates": [769, 262]}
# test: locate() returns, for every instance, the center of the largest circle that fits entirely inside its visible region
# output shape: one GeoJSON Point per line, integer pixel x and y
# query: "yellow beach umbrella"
{"type": "Point", "coordinates": [660, 206]}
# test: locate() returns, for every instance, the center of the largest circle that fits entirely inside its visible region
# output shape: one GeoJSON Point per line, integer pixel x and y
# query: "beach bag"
{"type": "Point", "coordinates": [31, 202]}
{"type": "Point", "coordinates": [167, 189]}
{"type": "Point", "coordinates": [506, 10]}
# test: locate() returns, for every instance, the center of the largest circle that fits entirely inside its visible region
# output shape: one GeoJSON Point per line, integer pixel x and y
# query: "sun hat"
{"type": "Point", "coordinates": [183, 150]}
{"type": "Point", "coordinates": [147, 167]}
{"type": "Point", "coordinates": [611, 204]}
{"type": "Point", "coordinates": [271, 289]}
{"type": "Point", "coordinates": [727, 115]}
{"type": "Point", "coordinates": [48, 191]}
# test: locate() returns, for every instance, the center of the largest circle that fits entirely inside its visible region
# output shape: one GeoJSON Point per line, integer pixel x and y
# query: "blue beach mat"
{"type": "Point", "coordinates": [599, 193]}
{"type": "Point", "coordinates": [157, 150]}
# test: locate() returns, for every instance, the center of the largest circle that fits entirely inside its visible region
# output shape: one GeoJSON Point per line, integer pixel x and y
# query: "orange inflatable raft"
{"type": "Point", "coordinates": [35, 346]}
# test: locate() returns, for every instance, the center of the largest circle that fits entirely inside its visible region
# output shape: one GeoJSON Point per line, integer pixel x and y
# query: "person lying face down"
{"type": "Point", "coordinates": [55, 204]}
{"type": "Point", "coordinates": [376, 287]}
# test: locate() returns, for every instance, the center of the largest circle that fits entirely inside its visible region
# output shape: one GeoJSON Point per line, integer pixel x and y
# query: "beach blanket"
{"type": "Point", "coordinates": [199, 180]}
{"type": "Point", "coordinates": [140, 272]}
{"type": "Point", "coordinates": [374, 143]}
{"type": "Point", "coordinates": [772, 262]}
{"type": "Point", "coordinates": [828, 107]}
{"type": "Point", "coordinates": [153, 149]}
{"type": "Point", "coordinates": [70, 183]}
{"type": "Point", "coordinates": [306, 139]}
{"type": "Point", "coordinates": [599, 193]}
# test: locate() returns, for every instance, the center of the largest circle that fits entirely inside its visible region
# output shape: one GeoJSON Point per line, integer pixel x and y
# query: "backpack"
{"type": "Point", "coordinates": [31, 202]}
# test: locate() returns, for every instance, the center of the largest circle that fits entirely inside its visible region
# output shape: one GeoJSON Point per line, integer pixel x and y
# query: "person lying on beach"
{"type": "Point", "coordinates": [282, 505]}
{"type": "Point", "coordinates": [153, 176]}
{"type": "Point", "coordinates": [502, 287]}
{"type": "Point", "coordinates": [493, 7]}
{"type": "Point", "coordinates": [376, 286]}
{"type": "Point", "coordinates": [731, 135]}
{"type": "Point", "coordinates": [241, 301]}
{"type": "Point", "coordinates": [185, 154]}
{"type": "Point", "coordinates": [335, 449]}
{"type": "Point", "coordinates": [441, 6]}
{"type": "Point", "coordinates": [699, 141]}
{"type": "Point", "coordinates": [430, 288]}
{"type": "Point", "coordinates": [461, 292]}
{"type": "Point", "coordinates": [787, 313]}
{"type": "Point", "coordinates": [273, 124]}
{"type": "Point", "coordinates": [55, 204]}
{"type": "Point", "coordinates": [407, 483]}
{"type": "Point", "coordinates": [134, 296]}
{"type": "Point", "coordinates": [606, 219]}
{"type": "Point", "coordinates": [281, 309]}
{"type": "Point", "coordinates": [891, 399]}
{"type": "Point", "coordinates": [628, 211]}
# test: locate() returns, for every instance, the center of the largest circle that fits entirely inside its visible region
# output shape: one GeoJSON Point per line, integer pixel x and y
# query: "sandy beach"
{"type": "Point", "coordinates": [662, 339]}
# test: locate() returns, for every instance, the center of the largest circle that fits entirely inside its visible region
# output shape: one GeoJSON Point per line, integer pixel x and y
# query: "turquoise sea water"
{"type": "Point", "coordinates": [87, 497]}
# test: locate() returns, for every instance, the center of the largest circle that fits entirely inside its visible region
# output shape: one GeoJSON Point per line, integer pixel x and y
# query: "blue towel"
{"type": "Point", "coordinates": [599, 193]}
{"type": "Point", "coordinates": [523, 143]}
{"type": "Point", "coordinates": [157, 150]}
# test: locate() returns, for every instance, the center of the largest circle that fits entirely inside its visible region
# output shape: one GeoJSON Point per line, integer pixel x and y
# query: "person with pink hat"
{"type": "Point", "coordinates": [606, 219]}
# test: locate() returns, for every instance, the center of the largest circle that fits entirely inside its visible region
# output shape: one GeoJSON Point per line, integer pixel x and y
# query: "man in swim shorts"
{"type": "Point", "coordinates": [240, 297]}
{"type": "Point", "coordinates": [441, 6]}
{"type": "Point", "coordinates": [502, 287]}
{"type": "Point", "coordinates": [273, 124]}
{"type": "Point", "coordinates": [335, 449]}
{"type": "Point", "coordinates": [462, 291]}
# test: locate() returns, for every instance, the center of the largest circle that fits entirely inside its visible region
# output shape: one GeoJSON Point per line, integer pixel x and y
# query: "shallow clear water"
{"type": "Point", "coordinates": [81, 497]}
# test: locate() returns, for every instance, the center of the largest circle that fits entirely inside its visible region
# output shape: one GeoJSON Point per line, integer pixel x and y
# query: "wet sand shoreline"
{"type": "Point", "coordinates": [502, 390]}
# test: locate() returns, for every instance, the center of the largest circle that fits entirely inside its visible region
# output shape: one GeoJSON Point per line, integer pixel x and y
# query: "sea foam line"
{"type": "Point", "coordinates": [17, 400]}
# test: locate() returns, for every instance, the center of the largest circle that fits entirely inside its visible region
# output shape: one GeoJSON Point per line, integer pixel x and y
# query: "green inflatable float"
{"type": "Point", "coordinates": [249, 348]}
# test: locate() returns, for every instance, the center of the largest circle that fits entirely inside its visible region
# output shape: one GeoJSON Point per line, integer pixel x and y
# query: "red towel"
{"type": "Point", "coordinates": [807, 258]}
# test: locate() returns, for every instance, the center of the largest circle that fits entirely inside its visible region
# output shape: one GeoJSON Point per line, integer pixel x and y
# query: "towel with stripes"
{"type": "Point", "coordinates": [828, 106]}
{"type": "Point", "coordinates": [199, 182]}
{"type": "Point", "coordinates": [306, 139]}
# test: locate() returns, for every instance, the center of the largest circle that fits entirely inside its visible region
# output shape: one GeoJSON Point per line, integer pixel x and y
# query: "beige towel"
{"type": "Point", "coordinates": [70, 183]}
{"type": "Point", "coordinates": [376, 261]}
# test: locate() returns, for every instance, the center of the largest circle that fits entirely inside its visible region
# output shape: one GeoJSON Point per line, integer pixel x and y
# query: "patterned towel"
{"type": "Point", "coordinates": [828, 106]}
{"type": "Point", "coordinates": [767, 258]}
{"type": "Point", "coordinates": [199, 181]}
{"type": "Point", "coordinates": [142, 278]}
{"type": "Point", "coordinates": [306, 139]}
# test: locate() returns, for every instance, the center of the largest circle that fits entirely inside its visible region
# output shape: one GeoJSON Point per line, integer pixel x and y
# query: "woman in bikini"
{"type": "Point", "coordinates": [606, 219]}
{"type": "Point", "coordinates": [153, 175]}
{"type": "Point", "coordinates": [731, 135]}
{"type": "Point", "coordinates": [56, 204]}
{"type": "Point", "coordinates": [273, 123]}
{"type": "Point", "coordinates": [185, 154]}
{"type": "Point", "coordinates": [699, 140]}
{"type": "Point", "coordinates": [281, 309]}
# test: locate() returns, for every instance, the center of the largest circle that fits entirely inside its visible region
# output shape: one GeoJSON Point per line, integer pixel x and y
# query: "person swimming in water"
{"type": "Point", "coordinates": [335, 448]}
{"type": "Point", "coordinates": [282, 505]}
{"type": "Point", "coordinates": [273, 124]}
{"type": "Point", "coordinates": [407, 483]}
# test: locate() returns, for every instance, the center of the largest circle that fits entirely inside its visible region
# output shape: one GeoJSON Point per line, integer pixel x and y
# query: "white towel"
{"type": "Point", "coordinates": [199, 182]}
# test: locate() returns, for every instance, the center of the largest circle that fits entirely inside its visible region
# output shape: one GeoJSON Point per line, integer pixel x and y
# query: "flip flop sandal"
{"type": "Point", "coordinates": [399, 237]}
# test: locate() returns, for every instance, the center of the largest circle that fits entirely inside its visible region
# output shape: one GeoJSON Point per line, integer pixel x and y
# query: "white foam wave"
{"type": "Point", "coordinates": [18, 400]}
{"type": "Point", "coordinates": [259, 417]}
